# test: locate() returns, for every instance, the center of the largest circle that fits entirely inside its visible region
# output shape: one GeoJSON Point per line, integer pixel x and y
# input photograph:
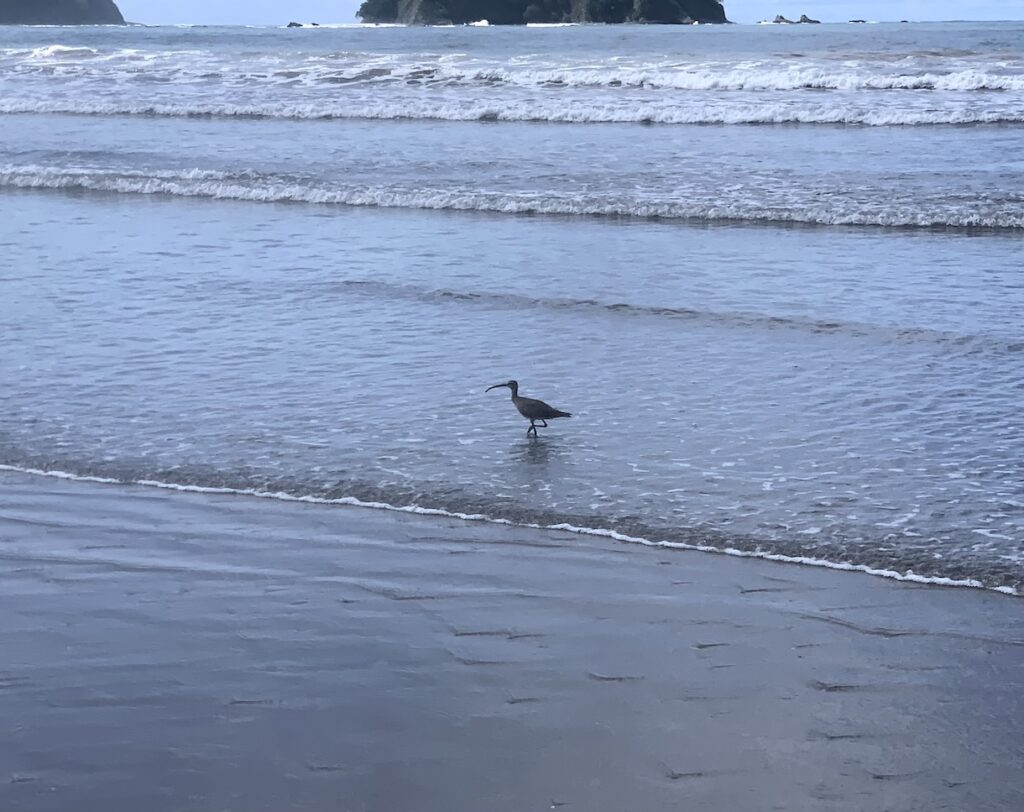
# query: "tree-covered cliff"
{"type": "Point", "coordinates": [513, 12]}
{"type": "Point", "coordinates": [59, 12]}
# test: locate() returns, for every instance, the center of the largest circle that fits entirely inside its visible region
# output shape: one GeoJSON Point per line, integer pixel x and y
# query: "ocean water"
{"type": "Point", "coordinates": [774, 272]}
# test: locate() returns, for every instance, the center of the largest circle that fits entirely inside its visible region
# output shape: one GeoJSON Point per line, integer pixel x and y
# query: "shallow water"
{"type": "Point", "coordinates": [800, 340]}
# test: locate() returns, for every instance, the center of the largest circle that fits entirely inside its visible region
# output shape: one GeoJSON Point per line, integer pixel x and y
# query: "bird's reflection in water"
{"type": "Point", "coordinates": [539, 450]}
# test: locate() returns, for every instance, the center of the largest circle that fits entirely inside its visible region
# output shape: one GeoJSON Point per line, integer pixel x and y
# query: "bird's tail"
{"type": "Point", "coordinates": [562, 414]}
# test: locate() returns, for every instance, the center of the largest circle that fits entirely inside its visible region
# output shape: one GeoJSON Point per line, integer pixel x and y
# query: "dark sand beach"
{"type": "Point", "coordinates": [181, 651]}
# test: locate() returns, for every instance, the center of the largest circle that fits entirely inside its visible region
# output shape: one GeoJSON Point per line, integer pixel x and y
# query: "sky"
{"type": "Point", "coordinates": [278, 12]}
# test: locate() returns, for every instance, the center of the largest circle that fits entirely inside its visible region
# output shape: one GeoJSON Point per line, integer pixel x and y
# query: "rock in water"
{"type": "Point", "coordinates": [805, 19]}
{"type": "Point", "coordinates": [60, 12]}
{"type": "Point", "coordinates": [518, 12]}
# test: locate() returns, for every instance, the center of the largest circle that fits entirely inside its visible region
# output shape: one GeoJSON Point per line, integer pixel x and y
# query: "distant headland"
{"type": "Point", "coordinates": [518, 12]}
{"type": "Point", "coordinates": [60, 12]}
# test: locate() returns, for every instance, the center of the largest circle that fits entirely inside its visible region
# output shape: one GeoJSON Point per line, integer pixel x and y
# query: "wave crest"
{"type": "Point", "coordinates": [952, 342]}
{"type": "Point", "coordinates": [927, 71]}
{"type": "Point", "coordinates": [533, 110]}
{"type": "Point", "coordinates": [259, 187]}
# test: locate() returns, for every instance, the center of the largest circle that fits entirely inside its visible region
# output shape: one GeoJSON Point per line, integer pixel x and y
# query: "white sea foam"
{"type": "Point", "coordinates": [754, 78]}
{"type": "Point", "coordinates": [908, 575]}
{"type": "Point", "coordinates": [330, 26]}
{"type": "Point", "coordinates": [534, 71]}
{"type": "Point", "coordinates": [271, 189]}
{"type": "Point", "coordinates": [61, 52]}
{"type": "Point", "coordinates": [866, 89]}
{"type": "Point", "coordinates": [534, 110]}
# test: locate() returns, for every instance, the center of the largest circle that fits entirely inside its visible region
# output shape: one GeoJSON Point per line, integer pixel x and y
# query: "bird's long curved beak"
{"type": "Point", "coordinates": [496, 386]}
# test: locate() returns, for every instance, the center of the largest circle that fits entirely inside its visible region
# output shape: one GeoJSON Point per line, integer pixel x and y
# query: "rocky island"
{"type": "Point", "coordinates": [60, 12]}
{"type": "Point", "coordinates": [518, 12]}
{"type": "Point", "coordinates": [781, 20]}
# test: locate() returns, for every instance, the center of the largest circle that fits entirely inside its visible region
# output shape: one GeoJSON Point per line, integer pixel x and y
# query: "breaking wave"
{"type": "Point", "coordinates": [260, 187]}
{"type": "Point", "coordinates": [917, 89]}
{"type": "Point", "coordinates": [565, 111]}
{"type": "Point", "coordinates": [971, 74]}
{"type": "Point", "coordinates": [756, 78]}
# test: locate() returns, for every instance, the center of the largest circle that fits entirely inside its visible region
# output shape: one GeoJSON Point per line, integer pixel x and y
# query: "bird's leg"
{"type": "Point", "coordinates": [543, 423]}
{"type": "Point", "coordinates": [533, 429]}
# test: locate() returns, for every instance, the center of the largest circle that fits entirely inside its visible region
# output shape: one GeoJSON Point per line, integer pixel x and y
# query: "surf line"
{"type": "Point", "coordinates": [352, 501]}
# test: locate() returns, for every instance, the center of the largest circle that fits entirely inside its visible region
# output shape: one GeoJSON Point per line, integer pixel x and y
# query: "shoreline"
{"type": "Point", "coordinates": [181, 651]}
{"type": "Point", "coordinates": [351, 501]}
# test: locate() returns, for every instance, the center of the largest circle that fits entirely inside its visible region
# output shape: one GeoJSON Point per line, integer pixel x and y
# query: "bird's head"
{"type": "Point", "coordinates": [513, 385]}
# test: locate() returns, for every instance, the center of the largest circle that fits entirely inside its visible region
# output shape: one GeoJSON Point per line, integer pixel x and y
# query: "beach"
{"type": "Point", "coordinates": [271, 540]}
{"type": "Point", "coordinates": [167, 650]}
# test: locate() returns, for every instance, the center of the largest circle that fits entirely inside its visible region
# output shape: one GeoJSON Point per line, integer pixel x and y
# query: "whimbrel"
{"type": "Point", "coordinates": [533, 410]}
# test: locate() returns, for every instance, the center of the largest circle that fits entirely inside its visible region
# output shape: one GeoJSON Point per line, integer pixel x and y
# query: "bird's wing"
{"type": "Point", "coordinates": [538, 409]}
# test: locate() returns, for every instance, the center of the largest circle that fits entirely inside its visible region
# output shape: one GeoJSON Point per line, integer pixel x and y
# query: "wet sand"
{"type": "Point", "coordinates": [168, 651]}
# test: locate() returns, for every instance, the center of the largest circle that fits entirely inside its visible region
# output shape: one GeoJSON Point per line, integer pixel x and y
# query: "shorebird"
{"type": "Point", "coordinates": [533, 410]}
